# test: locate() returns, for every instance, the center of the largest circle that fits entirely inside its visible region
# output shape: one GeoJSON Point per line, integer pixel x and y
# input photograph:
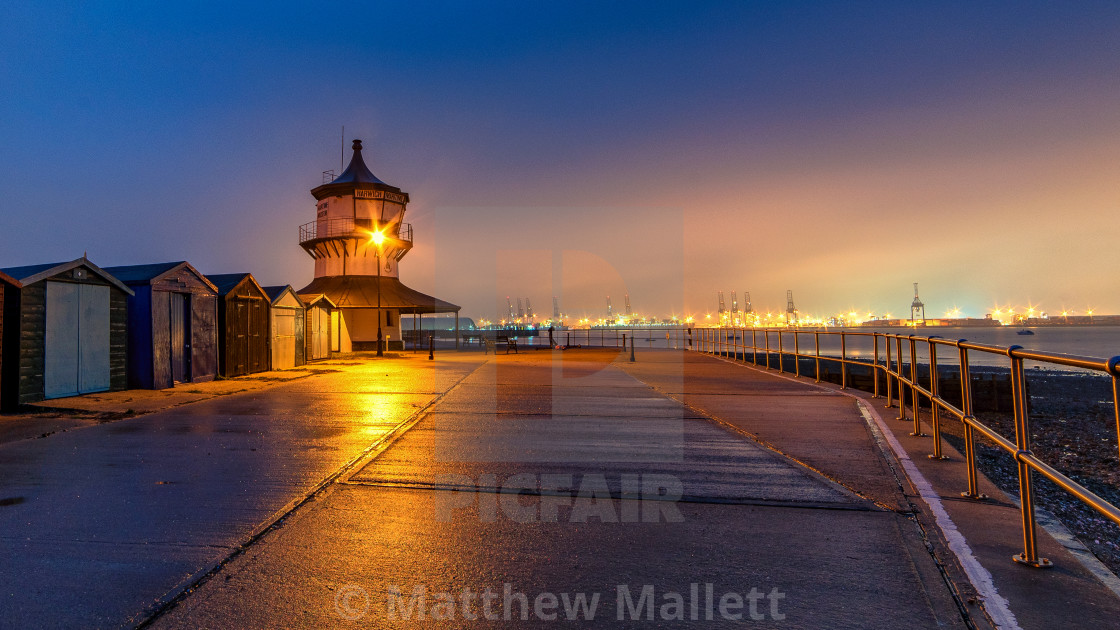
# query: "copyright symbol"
{"type": "Point", "coordinates": [351, 602]}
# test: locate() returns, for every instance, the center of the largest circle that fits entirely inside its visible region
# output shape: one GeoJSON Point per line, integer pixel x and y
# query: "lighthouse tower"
{"type": "Point", "coordinates": [357, 240]}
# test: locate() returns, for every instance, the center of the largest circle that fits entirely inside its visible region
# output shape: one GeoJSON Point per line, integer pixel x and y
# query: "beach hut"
{"type": "Point", "coordinates": [172, 325]}
{"type": "Point", "coordinates": [321, 313]}
{"type": "Point", "coordinates": [6, 283]}
{"type": "Point", "coordinates": [287, 316]}
{"type": "Point", "coordinates": [242, 324]}
{"type": "Point", "coordinates": [65, 332]}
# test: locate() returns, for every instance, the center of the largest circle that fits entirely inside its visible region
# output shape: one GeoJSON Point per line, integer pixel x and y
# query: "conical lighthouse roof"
{"type": "Point", "coordinates": [356, 175]}
{"type": "Point", "coordinates": [357, 172]}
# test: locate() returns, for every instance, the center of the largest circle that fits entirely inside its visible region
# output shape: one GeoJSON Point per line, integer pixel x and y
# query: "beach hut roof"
{"type": "Point", "coordinates": [30, 274]}
{"type": "Point", "coordinates": [226, 282]}
{"type": "Point", "coordinates": [311, 299]}
{"type": "Point", "coordinates": [10, 280]}
{"type": "Point", "coordinates": [145, 274]}
{"type": "Point", "coordinates": [274, 293]}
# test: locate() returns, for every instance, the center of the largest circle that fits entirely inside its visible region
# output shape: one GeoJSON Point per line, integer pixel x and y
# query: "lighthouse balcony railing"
{"type": "Point", "coordinates": [349, 228]}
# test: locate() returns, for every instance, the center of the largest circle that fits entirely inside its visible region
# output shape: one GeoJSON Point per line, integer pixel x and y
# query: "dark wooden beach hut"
{"type": "Point", "coordinates": [6, 282]}
{"type": "Point", "coordinates": [65, 332]}
{"type": "Point", "coordinates": [242, 324]}
{"type": "Point", "coordinates": [172, 325]}
{"type": "Point", "coordinates": [320, 322]}
{"type": "Point", "coordinates": [287, 330]}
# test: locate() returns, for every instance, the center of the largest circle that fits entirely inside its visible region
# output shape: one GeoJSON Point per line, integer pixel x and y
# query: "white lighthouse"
{"type": "Point", "coordinates": [357, 239]}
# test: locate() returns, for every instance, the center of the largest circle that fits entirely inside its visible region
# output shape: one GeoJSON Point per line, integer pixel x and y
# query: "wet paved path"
{"type": "Point", "coordinates": [555, 475]}
{"type": "Point", "coordinates": [99, 524]}
{"type": "Point", "coordinates": [530, 473]}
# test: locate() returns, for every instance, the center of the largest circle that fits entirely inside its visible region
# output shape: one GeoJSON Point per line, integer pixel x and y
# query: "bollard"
{"type": "Point", "coordinates": [631, 349]}
{"type": "Point", "coordinates": [432, 347]}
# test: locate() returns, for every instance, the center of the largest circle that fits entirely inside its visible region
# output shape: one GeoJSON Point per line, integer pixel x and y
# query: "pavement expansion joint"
{"type": "Point", "coordinates": [747, 501]}
{"type": "Point", "coordinates": [171, 599]}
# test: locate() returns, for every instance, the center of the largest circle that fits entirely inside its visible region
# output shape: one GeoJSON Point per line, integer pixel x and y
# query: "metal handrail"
{"type": "Point", "coordinates": [348, 227]}
{"type": "Point", "coordinates": [718, 341]}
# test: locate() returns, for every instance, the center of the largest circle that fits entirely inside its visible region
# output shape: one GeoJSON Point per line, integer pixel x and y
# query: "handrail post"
{"type": "Point", "coordinates": [843, 360]}
{"type": "Point", "coordinates": [1023, 444]}
{"type": "Point", "coordinates": [781, 355]}
{"type": "Point", "coordinates": [1114, 368]}
{"type": "Point", "coordinates": [887, 374]}
{"type": "Point", "coordinates": [754, 346]}
{"type": "Point", "coordinates": [934, 377]}
{"type": "Point", "coordinates": [901, 391]}
{"type": "Point", "coordinates": [875, 368]}
{"type": "Point", "coordinates": [969, 438]}
{"type": "Point", "coordinates": [914, 388]}
{"type": "Point", "coordinates": [766, 334]}
{"type": "Point", "coordinates": [796, 355]}
{"type": "Point", "coordinates": [817, 345]}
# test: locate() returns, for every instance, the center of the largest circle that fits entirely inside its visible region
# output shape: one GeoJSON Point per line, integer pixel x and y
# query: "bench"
{"type": "Point", "coordinates": [509, 342]}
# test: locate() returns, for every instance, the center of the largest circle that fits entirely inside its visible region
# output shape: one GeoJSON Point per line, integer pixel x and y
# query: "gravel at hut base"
{"type": "Point", "coordinates": [1072, 428]}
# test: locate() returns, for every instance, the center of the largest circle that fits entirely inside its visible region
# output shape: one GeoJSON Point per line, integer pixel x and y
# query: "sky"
{"type": "Point", "coordinates": [663, 150]}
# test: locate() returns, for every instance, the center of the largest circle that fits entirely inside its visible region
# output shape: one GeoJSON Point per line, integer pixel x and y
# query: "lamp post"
{"type": "Point", "coordinates": [378, 239]}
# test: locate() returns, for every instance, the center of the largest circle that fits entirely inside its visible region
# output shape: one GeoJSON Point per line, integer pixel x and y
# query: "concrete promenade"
{"type": "Point", "coordinates": [676, 491]}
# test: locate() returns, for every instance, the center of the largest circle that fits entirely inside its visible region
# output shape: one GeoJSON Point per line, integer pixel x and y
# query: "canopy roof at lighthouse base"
{"type": "Point", "coordinates": [361, 292]}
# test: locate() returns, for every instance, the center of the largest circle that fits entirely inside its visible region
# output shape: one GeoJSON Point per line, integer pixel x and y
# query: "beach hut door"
{"type": "Point", "coordinates": [77, 340]}
{"type": "Point", "coordinates": [180, 318]}
{"type": "Point", "coordinates": [319, 333]}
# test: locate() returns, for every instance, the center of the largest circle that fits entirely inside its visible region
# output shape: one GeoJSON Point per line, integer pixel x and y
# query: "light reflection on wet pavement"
{"type": "Point", "coordinates": [113, 517]}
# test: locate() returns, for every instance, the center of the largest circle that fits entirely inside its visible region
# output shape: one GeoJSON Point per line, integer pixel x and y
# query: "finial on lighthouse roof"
{"type": "Point", "coordinates": [357, 172]}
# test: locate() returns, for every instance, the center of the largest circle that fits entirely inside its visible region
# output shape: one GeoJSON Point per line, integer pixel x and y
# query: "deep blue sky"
{"type": "Point", "coordinates": [843, 151]}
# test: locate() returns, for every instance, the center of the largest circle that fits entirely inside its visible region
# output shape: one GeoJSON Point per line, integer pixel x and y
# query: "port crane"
{"type": "Point", "coordinates": [917, 309]}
